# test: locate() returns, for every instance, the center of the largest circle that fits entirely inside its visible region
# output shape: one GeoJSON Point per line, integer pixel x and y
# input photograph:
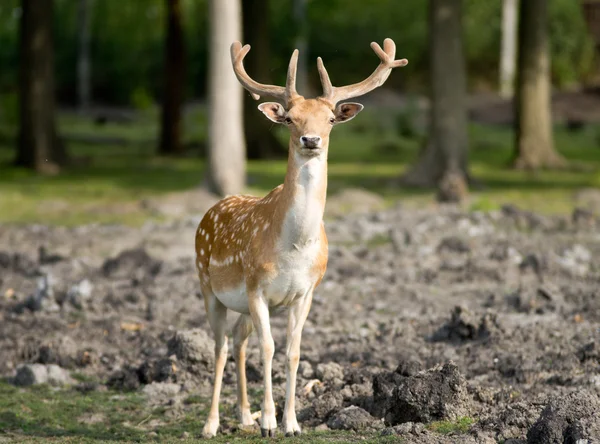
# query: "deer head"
{"type": "Point", "coordinates": [310, 120]}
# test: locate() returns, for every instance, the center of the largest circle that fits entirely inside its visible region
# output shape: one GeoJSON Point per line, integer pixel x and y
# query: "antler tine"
{"type": "Point", "coordinates": [325, 80]}
{"type": "Point", "coordinates": [286, 94]}
{"type": "Point", "coordinates": [290, 82]}
{"type": "Point", "coordinates": [377, 78]}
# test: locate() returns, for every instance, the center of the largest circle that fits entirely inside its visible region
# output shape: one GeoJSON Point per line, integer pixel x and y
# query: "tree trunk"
{"type": "Point", "coordinates": [534, 142]}
{"type": "Point", "coordinates": [301, 25]}
{"type": "Point", "coordinates": [443, 161]}
{"type": "Point", "coordinates": [261, 142]}
{"type": "Point", "coordinates": [174, 81]}
{"type": "Point", "coordinates": [83, 56]}
{"type": "Point", "coordinates": [508, 56]}
{"type": "Point", "coordinates": [38, 145]}
{"type": "Point", "coordinates": [227, 149]}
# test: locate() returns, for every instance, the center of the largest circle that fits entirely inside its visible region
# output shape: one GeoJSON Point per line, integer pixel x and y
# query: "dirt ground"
{"type": "Point", "coordinates": [489, 320]}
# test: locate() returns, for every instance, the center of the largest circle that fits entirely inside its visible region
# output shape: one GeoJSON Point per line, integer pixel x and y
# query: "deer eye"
{"type": "Point", "coordinates": [288, 120]}
{"type": "Point", "coordinates": [332, 120]}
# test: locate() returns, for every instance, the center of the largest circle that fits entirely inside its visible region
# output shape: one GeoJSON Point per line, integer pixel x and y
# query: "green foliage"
{"type": "Point", "coordinates": [141, 99]}
{"type": "Point", "coordinates": [9, 109]}
{"type": "Point", "coordinates": [127, 43]}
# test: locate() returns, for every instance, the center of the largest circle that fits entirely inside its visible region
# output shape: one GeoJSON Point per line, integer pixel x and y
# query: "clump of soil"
{"type": "Point", "coordinates": [574, 418]}
{"type": "Point", "coordinates": [436, 394]}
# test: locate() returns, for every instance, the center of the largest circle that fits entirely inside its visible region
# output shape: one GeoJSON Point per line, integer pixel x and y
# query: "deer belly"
{"type": "Point", "coordinates": [235, 298]}
{"type": "Point", "coordinates": [289, 285]}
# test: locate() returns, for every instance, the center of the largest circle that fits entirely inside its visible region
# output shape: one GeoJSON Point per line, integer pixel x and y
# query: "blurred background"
{"type": "Point", "coordinates": [115, 111]}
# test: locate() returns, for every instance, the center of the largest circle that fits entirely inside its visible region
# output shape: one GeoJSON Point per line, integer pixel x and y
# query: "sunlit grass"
{"type": "Point", "coordinates": [45, 414]}
{"type": "Point", "coordinates": [117, 169]}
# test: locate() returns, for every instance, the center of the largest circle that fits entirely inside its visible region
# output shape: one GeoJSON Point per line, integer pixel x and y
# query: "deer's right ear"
{"type": "Point", "coordinates": [274, 111]}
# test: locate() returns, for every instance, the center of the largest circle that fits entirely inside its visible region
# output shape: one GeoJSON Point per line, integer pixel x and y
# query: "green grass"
{"type": "Point", "coordinates": [459, 426]}
{"type": "Point", "coordinates": [45, 414]}
{"type": "Point", "coordinates": [119, 170]}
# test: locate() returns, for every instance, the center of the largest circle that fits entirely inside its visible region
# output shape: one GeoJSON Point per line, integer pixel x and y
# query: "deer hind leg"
{"type": "Point", "coordinates": [241, 331]}
{"type": "Point", "coordinates": [217, 315]}
{"type": "Point", "coordinates": [296, 318]}
{"type": "Point", "coordinates": [259, 310]}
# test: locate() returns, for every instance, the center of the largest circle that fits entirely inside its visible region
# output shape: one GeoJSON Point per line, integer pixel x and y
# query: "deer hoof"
{"type": "Point", "coordinates": [268, 433]}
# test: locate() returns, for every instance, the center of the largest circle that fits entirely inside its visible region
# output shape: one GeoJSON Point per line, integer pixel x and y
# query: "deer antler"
{"type": "Point", "coordinates": [379, 76]}
{"type": "Point", "coordinates": [256, 89]}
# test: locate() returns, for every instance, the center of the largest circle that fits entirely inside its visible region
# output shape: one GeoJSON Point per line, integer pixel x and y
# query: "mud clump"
{"type": "Point", "coordinates": [321, 409]}
{"type": "Point", "coordinates": [131, 263]}
{"type": "Point", "coordinates": [193, 348]}
{"type": "Point", "coordinates": [353, 418]}
{"type": "Point", "coordinates": [436, 394]}
{"type": "Point", "coordinates": [125, 379]}
{"type": "Point", "coordinates": [569, 419]}
{"type": "Point", "coordinates": [466, 326]}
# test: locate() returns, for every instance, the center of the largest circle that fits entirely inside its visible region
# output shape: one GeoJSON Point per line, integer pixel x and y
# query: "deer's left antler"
{"type": "Point", "coordinates": [386, 55]}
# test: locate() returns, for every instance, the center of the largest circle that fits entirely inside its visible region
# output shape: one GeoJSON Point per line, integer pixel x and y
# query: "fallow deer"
{"type": "Point", "coordinates": [255, 254]}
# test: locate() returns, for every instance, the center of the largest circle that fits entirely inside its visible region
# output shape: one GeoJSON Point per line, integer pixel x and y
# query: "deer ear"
{"type": "Point", "coordinates": [274, 111]}
{"type": "Point", "coordinates": [347, 111]}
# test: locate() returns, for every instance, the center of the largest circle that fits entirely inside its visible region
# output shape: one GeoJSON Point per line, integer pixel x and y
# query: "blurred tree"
{"type": "Point", "coordinates": [83, 56]}
{"type": "Point", "coordinates": [38, 144]}
{"type": "Point", "coordinates": [443, 162]}
{"type": "Point", "coordinates": [227, 149]}
{"type": "Point", "coordinates": [261, 143]}
{"type": "Point", "coordinates": [534, 142]}
{"type": "Point", "coordinates": [174, 78]}
{"type": "Point", "coordinates": [508, 54]}
{"type": "Point", "coordinates": [301, 42]}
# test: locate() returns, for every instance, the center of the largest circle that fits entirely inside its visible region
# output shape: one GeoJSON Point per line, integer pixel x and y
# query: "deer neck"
{"type": "Point", "coordinates": [304, 193]}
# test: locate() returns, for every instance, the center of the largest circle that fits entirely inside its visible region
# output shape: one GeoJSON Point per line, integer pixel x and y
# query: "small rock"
{"type": "Point", "coordinates": [305, 369]}
{"type": "Point", "coordinates": [34, 374]}
{"type": "Point", "coordinates": [31, 374]}
{"type": "Point", "coordinates": [353, 418]}
{"type": "Point", "coordinates": [42, 299]}
{"type": "Point", "coordinates": [58, 375]}
{"type": "Point", "coordinates": [454, 244]}
{"type": "Point", "coordinates": [79, 293]}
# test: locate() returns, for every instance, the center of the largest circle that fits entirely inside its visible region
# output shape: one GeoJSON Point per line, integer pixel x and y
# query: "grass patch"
{"type": "Point", "coordinates": [46, 414]}
{"type": "Point", "coordinates": [459, 426]}
{"type": "Point", "coordinates": [117, 169]}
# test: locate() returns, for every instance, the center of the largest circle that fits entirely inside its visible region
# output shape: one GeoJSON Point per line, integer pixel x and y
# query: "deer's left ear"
{"type": "Point", "coordinates": [347, 111]}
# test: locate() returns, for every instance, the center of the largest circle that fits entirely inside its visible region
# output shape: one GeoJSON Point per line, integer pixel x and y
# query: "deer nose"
{"type": "Point", "coordinates": [310, 141]}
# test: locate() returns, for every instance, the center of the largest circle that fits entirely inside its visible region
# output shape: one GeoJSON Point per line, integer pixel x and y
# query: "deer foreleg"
{"type": "Point", "coordinates": [296, 318]}
{"type": "Point", "coordinates": [259, 310]}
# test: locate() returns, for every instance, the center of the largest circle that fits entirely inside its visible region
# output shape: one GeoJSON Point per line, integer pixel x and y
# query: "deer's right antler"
{"type": "Point", "coordinates": [287, 94]}
{"type": "Point", "coordinates": [386, 55]}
